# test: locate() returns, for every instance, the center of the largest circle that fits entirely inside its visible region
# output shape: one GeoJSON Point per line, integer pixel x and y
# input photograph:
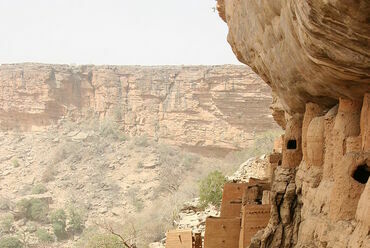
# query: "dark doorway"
{"type": "Point", "coordinates": [361, 173]}
{"type": "Point", "coordinates": [292, 144]}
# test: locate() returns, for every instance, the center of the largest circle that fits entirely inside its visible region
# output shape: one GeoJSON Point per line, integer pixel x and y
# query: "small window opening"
{"type": "Point", "coordinates": [292, 144]}
{"type": "Point", "coordinates": [361, 174]}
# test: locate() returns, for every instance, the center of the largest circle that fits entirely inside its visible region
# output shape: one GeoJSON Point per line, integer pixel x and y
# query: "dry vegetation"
{"type": "Point", "coordinates": [87, 184]}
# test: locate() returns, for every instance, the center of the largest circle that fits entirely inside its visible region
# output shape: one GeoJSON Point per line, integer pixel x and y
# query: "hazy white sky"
{"type": "Point", "coordinates": [113, 32]}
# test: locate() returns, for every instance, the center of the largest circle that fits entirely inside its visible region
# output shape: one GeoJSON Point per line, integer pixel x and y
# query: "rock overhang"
{"type": "Point", "coordinates": [307, 51]}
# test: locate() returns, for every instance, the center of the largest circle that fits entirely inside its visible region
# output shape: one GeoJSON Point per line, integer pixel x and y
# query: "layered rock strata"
{"type": "Point", "coordinates": [203, 108]}
{"type": "Point", "coordinates": [315, 56]}
{"type": "Point", "coordinates": [307, 51]}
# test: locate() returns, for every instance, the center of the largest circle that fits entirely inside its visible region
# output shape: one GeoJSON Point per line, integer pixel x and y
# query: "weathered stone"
{"type": "Point", "coordinates": [292, 148]}
{"type": "Point", "coordinates": [312, 110]}
{"type": "Point", "coordinates": [315, 147]}
{"type": "Point", "coordinates": [308, 51]}
{"type": "Point", "coordinates": [207, 109]}
{"type": "Point", "coordinates": [346, 190]}
{"type": "Point", "coordinates": [313, 54]}
{"type": "Point", "coordinates": [365, 123]}
{"type": "Point", "coordinates": [266, 197]}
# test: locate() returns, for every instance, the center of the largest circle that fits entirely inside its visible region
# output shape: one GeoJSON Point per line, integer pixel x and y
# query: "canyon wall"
{"type": "Point", "coordinates": [210, 109]}
{"type": "Point", "coordinates": [306, 50]}
{"type": "Point", "coordinates": [315, 56]}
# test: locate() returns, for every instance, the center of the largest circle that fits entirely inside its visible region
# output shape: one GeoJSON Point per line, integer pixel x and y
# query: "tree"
{"type": "Point", "coordinates": [76, 220]}
{"type": "Point", "coordinates": [210, 190]}
{"type": "Point", "coordinates": [44, 237]}
{"type": "Point", "coordinates": [58, 221]}
{"type": "Point", "coordinates": [33, 209]}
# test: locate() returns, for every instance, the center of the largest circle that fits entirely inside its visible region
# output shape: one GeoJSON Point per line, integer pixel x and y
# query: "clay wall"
{"type": "Point", "coordinates": [254, 218]}
{"type": "Point", "coordinates": [222, 232]}
{"type": "Point", "coordinates": [179, 239]}
{"type": "Point", "coordinates": [232, 199]}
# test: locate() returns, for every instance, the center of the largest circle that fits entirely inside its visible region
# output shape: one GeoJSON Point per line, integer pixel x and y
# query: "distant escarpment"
{"type": "Point", "coordinates": [204, 108]}
{"type": "Point", "coordinates": [315, 55]}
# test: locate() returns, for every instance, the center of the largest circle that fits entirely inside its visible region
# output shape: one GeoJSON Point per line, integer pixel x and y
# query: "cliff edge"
{"type": "Point", "coordinates": [315, 56]}
{"type": "Point", "coordinates": [307, 51]}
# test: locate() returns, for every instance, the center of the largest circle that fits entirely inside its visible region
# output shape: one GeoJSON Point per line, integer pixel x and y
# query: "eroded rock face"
{"type": "Point", "coordinates": [204, 108]}
{"type": "Point", "coordinates": [308, 50]}
{"type": "Point", "coordinates": [318, 199]}
{"type": "Point", "coordinates": [315, 56]}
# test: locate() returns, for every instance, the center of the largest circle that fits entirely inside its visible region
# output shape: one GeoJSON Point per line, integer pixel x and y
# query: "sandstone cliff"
{"type": "Point", "coordinates": [315, 56]}
{"type": "Point", "coordinates": [205, 108]}
{"type": "Point", "coordinates": [308, 51]}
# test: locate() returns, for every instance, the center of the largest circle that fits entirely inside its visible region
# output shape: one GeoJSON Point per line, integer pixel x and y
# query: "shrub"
{"type": "Point", "coordinates": [189, 160]}
{"type": "Point", "coordinates": [210, 190]}
{"type": "Point", "coordinates": [5, 203]}
{"type": "Point", "coordinates": [10, 242]}
{"type": "Point", "coordinates": [140, 164]}
{"type": "Point", "coordinates": [263, 143]}
{"type": "Point", "coordinates": [15, 163]}
{"type": "Point", "coordinates": [76, 221]}
{"type": "Point", "coordinates": [61, 153]}
{"type": "Point", "coordinates": [153, 224]}
{"type": "Point", "coordinates": [44, 236]}
{"type": "Point", "coordinates": [136, 202]}
{"type": "Point", "coordinates": [141, 141]}
{"type": "Point", "coordinates": [117, 113]}
{"type": "Point", "coordinates": [49, 174]}
{"type": "Point", "coordinates": [30, 227]}
{"type": "Point", "coordinates": [6, 223]}
{"type": "Point", "coordinates": [94, 237]}
{"type": "Point", "coordinates": [109, 129]}
{"type": "Point", "coordinates": [38, 189]}
{"type": "Point", "coordinates": [58, 220]}
{"type": "Point", "coordinates": [104, 240]}
{"type": "Point", "coordinates": [171, 168]}
{"type": "Point", "coordinates": [33, 209]}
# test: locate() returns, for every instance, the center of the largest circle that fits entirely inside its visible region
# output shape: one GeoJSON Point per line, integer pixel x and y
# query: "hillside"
{"type": "Point", "coordinates": [89, 148]}
{"type": "Point", "coordinates": [208, 109]}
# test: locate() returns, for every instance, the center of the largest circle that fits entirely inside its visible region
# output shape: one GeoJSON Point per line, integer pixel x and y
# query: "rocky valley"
{"type": "Point", "coordinates": [119, 147]}
{"type": "Point", "coordinates": [190, 156]}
